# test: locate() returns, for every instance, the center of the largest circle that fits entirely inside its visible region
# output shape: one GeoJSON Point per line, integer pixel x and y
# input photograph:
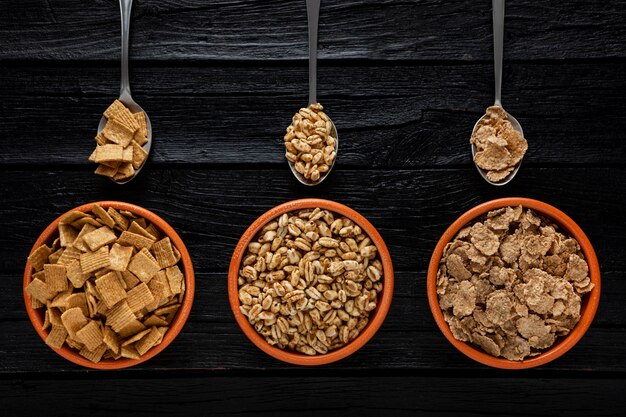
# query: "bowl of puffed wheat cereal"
{"type": "Point", "coordinates": [108, 285]}
{"type": "Point", "coordinates": [310, 282]}
{"type": "Point", "coordinates": [514, 283]}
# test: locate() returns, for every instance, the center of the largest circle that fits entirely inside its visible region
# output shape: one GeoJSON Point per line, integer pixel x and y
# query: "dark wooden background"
{"type": "Point", "coordinates": [404, 82]}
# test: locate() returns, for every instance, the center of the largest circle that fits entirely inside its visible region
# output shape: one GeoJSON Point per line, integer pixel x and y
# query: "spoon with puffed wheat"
{"type": "Point", "coordinates": [311, 141]}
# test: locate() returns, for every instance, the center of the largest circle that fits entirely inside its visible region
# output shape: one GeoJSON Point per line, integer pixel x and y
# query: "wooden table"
{"type": "Point", "coordinates": [404, 82]}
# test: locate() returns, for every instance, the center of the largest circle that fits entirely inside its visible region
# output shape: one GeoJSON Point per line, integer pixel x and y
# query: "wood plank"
{"type": "Point", "coordinates": [388, 116]}
{"type": "Point", "coordinates": [411, 208]}
{"type": "Point", "coordinates": [365, 395]}
{"type": "Point", "coordinates": [276, 30]}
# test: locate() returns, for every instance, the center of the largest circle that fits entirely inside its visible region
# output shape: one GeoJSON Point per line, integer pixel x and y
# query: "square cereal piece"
{"type": "Point", "coordinates": [39, 257]}
{"type": "Point", "coordinates": [119, 257]}
{"type": "Point", "coordinates": [144, 344]}
{"type": "Point", "coordinates": [104, 217]}
{"type": "Point", "coordinates": [120, 220]}
{"type": "Point", "coordinates": [133, 327]}
{"type": "Point", "coordinates": [120, 316]}
{"type": "Point", "coordinates": [92, 157]}
{"type": "Point", "coordinates": [56, 277]}
{"type": "Point", "coordinates": [127, 154]}
{"type": "Point", "coordinates": [78, 299]}
{"type": "Point", "coordinates": [60, 300]}
{"type": "Point", "coordinates": [109, 153]}
{"type": "Point", "coordinates": [106, 171]}
{"type": "Point", "coordinates": [111, 340]}
{"type": "Point", "coordinates": [54, 315]}
{"type": "Point", "coordinates": [126, 118]}
{"type": "Point", "coordinates": [90, 335]}
{"type": "Point", "coordinates": [139, 154]}
{"type": "Point", "coordinates": [117, 132]}
{"type": "Point", "coordinates": [93, 355]}
{"type": "Point", "coordinates": [159, 289]}
{"type": "Point", "coordinates": [78, 224]}
{"type": "Point", "coordinates": [141, 134]}
{"type": "Point", "coordinates": [130, 279]}
{"type": "Point", "coordinates": [73, 320]}
{"type": "Point", "coordinates": [39, 290]}
{"type": "Point", "coordinates": [72, 216]}
{"type": "Point", "coordinates": [135, 337]}
{"type": "Point", "coordinates": [67, 234]}
{"type": "Point", "coordinates": [163, 253]}
{"type": "Point", "coordinates": [69, 254]}
{"type": "Point", "coordinates": [34, 303]}
{"type": "Point", "coordinates": [113, 109]}
{"type": "Point", "coordinates": [75, 274]}
{"type": "Point", "coordinates": [99, 237]}
{"type": "Point", "coordinates": [175, 279]}
{"type": "Point", "coordinates": [55, 256]}
{"type": "Point", "coordinates": [56, 337]}
{"type": "Point", "coordinates": [92, 261]}
{"type": "Point", "coordinates": [155, 320]}
{"type": "Point", "coordinates": [101, 140]}
{"type": "Point", "coordinates": [125, 171]}
{"type": "Point", "coordinates": [154, 232]}
{"type": "Point", "coordinates": [110, 289]}
{"type": "Point", "coordinates": [78, 242]}
{"type": "Point", "coordinates": [128, 238]}
{"type": "Point", "coordinates": [136, 228]}
{"type": "Point", "coordinates": [143, 267]}
{"type": "Point", "coordinates": [130, 352]}
{"type": "Point", "coordinates": [139, 297]}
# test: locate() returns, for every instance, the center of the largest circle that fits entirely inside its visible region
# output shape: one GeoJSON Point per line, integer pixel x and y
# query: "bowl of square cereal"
{"type": "Point", "coordinates": [310, 282]}
{"type": "Point", "coordinates": [513, 283]}
{"type": "Point", "coordinates": [108, 285]}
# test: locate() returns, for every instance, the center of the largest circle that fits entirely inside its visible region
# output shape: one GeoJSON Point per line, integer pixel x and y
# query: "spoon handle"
{"type": "Point", "coordinates": [125, 7]}
{"type": "Point", "coordinates": [498, 45]}
{"type": "Point", "coordinates": [313, 15]}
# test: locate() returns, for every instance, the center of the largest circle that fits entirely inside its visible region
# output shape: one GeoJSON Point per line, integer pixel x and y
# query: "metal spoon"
{"type": "Point", "coordinates": [313, 14]}
{"type": "Point", "coordinates": [498, 46]}
{"type": "Point", "coordinates": [125, 96]}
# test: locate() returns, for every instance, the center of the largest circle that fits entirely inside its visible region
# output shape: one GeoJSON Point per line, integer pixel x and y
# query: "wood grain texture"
{"type": "Point", "coordinates": [211, 208]}
{"type": "Point", "coordinates": [276, 30]}
{"type": "Point", "coordinates": [314, 396]}
{"type": "Point", "coordinates": [390, 116]}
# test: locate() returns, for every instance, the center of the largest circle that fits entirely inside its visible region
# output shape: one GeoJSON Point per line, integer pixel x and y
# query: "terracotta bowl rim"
{"type": "Point", "coordinates": [36, 318]}
{"type": "Point", "coordinates": [376, 319]}
{"type": "Point", "coordinates": [590, 300]}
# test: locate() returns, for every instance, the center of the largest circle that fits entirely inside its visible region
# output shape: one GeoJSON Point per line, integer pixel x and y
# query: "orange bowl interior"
{"type": "Point", "coordinates": [376, 317]}
{"type": "Point", "coordinates": [37, 316]}
{"type": "Point", "coordinates": [590, 300]}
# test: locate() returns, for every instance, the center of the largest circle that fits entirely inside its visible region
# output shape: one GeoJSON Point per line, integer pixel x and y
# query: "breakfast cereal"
{"type": "Point", "coordinates": [309, 281]}
{"type": "Point", "coordinates": [511, 283]}
{"type": "Point", "coordinates": [100, 285]}
{"type": "Point", "coordinates": [119, 151]}
{"type": "Point", "coordinates": [499, 146]}
{"type": "Point", "coordinates": [311, 142]}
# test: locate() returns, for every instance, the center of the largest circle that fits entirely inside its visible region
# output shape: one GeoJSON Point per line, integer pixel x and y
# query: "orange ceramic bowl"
{"type": "Point", "coordinates": [376, 317]}
{"type": "Point", "coordinates": [590, 300]}
{"type": "Point", "coordinates": [37, 316]}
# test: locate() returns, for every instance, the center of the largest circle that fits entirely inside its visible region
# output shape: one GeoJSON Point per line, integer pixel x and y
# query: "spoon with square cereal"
{"type": "Point", "coordinates": [498, 143]}
{"type": "Point", "coordinates": [125, 132]}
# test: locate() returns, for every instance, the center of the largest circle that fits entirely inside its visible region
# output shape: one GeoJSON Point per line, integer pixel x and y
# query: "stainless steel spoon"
{"type": "Point", "coordinates": [498, 46]}
{"type": "Point", "coordinates": [313, 14]}
{"type": "Point", "coordinates": [125, 96]}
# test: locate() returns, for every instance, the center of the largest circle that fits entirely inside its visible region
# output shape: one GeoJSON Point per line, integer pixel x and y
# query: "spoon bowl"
{"type": "Point", "coordinates": [128, 101]}
{"type": "Point", "coordinates": [323, 176]}
{"type": "Point", "coordinates": [482, 172]}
